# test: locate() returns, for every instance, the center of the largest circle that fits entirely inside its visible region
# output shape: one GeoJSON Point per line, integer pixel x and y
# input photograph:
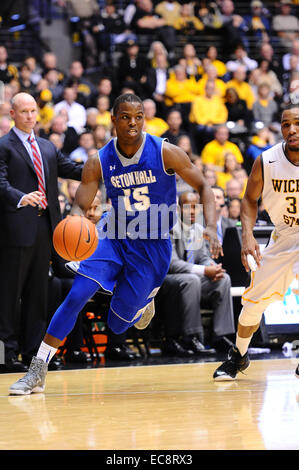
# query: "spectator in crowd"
{"type": "Point", "coordinates": [265, 108]}
{"type": "Point", "coordinates": [286, 58]}
{"type": "Point", "coordinates": [285, 24]}
{"type": "Point", "coordinates": [104, 87]}
{"type": "Point", "coordinates": [239, 83]}
{"type": "Point", "coordinates": [29, 214]}
{"type": "Point", "coordinates": [175, 130]}
{"type": "Point", "coordinates": [223, 223]}
{"type": "Point", "coordinates": [256, 24]}
{"type": "Point", "coordinates": [101, 135]}
{"type": "Point", "coordinates": [148, 22]}
{"type": "Point", "coordinates": [153, 124]}
{"type": "Point", "coordinates": [132, 67]}
{"type": "Point", "coordinates": [179, 88]}
{"type": "Point", "coordinates": [111, 31]}
{"type": "Point", "coordinates": [86, 16]}
{"type": "Point", "coordinates": [211, 75]}
{"type": "Point", "coordinates": [91, 118]}
{"type": "Point", "coordinates": [49, 62]}
{"type": "Point", "coordinates": [289, 76]}
{"type": "Point", "coordinates": [154, 85]}
{"type": "Point", "coordinates": [170, 11]}
{"type": "Point", "coordinates": [190, 60]}
{"type": "Point", "coordinates": [230, 165]}
{"type": "Point", "coordinates": [8, 71]}
{"type": "Point", "coordinates": [207, 111]}
{"type": "Point", "coordinates": [76, 112]}
{"type": "Point", "coordinates": [185, 143]}
{"type": "Point", "coordinates": [86, 143]}
{"type": "Point", "coordinates": [67, 133]}
{"type": "Point", "coordinates": [192, 265]}
{"type": "Point", "coordinates": [241, 58]}
{"type": "Point", "coordinates": [266, 52]}
{"type": "Point", "coordinates": [54, 84]}
{"type": "Point", "coordinates": [187, 23]}
{"type": "Point", "coordinates": [233, 188]}
{"type": "Point", "coordinates": [237, 110]}
{"type": "Point", "coordinates": [26, 84]}
{"type": "Point", "coordinates": [45, 109]}
{"type": "Point", "coordinates": [263, 140]}
{"type": "Point", "coordinates": [84, 87]}
{"type": "Point", "coordinates": [231, 24]}
{"type": "Point", "coordinates": [214, 152]}
{"type": "Point", "coordinates": [5, 125]}
{"type": "Point", "coordinates": [210, 175]}
{"type": "Point", "coordinates": [264, 74]}
{"type": "Point", "coordinates": [34, 68]}
{"type": "Point", "coordinates": [104, 114]}
{"type": "Point", "coordinates": [234, 209]}
{"type": "Point", "coordinates": [212, 55]}
{"type": "Point", "coordinates": [240, 175]}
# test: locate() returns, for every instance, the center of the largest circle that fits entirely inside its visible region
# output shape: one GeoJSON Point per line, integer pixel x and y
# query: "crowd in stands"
{"type": "Point", "coordinates": [222, 106]}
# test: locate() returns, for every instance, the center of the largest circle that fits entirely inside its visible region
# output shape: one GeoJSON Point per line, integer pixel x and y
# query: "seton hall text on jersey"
{"type": "Point", "coordinates": [133, 178]}
{"type": "Point", "coordinates": [285, 186]}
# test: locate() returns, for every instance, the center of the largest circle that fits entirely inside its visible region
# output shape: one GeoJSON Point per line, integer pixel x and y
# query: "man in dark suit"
{"type": "Point", "coordinates": [29, 211]}
{"type": "Point", "coordinates": [200, 279]}
{"type": "Point", "coordinates": [223, 223]}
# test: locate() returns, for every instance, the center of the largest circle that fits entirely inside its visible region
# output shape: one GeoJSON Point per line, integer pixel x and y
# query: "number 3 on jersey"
{"type": "Point", "coordinates": [140, 197]}
{"type": "Point", "coordinates": [292, 209]}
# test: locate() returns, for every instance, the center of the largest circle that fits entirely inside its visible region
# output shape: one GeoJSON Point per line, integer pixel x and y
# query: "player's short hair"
{"type": "Point", "coordinates": [125, 98]}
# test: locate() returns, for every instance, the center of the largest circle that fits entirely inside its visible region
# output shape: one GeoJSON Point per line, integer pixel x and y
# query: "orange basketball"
{"type": "Point", "coordinates": [75, 238]}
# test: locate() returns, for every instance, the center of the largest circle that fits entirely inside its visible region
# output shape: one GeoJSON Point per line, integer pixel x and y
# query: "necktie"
{"type": "Point", "coordinates": [38, 170]}
{"type": "Point", "coordinates": [190, 251]}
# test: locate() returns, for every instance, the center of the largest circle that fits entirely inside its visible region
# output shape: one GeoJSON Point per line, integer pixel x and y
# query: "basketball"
{"type": "Point", "coordinates": [75, 238]}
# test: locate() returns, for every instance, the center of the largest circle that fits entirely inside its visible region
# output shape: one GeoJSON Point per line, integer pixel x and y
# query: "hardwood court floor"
{"type": "Point", "coordinates": [156, 407]}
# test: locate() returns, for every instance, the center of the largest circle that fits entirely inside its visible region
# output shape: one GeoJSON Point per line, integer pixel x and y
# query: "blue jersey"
{"type": "Point", "coordinates": [142, 194]}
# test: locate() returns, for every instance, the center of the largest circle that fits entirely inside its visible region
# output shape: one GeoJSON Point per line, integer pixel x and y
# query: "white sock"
{"type": "Point", "coordinates": [242, 344]}
{"type": "Point", "coordinates": [45, 352]}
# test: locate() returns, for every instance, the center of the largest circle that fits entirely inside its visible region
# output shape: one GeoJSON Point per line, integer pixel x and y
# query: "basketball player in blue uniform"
{"type": "Point", "coordinates": [134, 250]}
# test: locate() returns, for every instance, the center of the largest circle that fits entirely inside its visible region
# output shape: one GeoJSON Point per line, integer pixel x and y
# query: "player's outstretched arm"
{"type": "Point", "coordinates": [249, 208]}
{"type": "Point", "coordinates": [177, 160]}
{"type": "Point", "coordinates": [89, 185]}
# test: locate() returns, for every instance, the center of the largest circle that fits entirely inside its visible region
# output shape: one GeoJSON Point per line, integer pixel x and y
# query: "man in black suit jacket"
{"type": "Point", "coordinates": [29, 212]}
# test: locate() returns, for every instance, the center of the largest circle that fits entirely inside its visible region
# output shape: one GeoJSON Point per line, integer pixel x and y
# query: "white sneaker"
{"type": "Point", "coordinates": [73, 266]}
{"type": "Point", "coordinates": [33, 381]}
{"type": "Point", "coordinates": [147, 316]}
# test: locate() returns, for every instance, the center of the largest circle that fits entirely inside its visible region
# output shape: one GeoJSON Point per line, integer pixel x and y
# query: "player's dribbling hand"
{"type": "Point", "coordinates": [215, 246]}
{"type": "Point", "coordinates": [250, 247]}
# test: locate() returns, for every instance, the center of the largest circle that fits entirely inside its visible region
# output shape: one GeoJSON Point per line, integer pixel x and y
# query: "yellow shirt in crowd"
{"type": "Point", "coordinates": [206, 111]}
{"type": "Point", "coordinates": [213, 153]}
{"type": "Point", "coordinates": [244, 91]}
{"type": "Point", "coordinates": [220, 86]}
{"type": "Point", "coordinates": [180, 91]}
{"type": "Point", "coordinates": [155, 126]}
{"type": "Point", "coordinates": [105, 119]}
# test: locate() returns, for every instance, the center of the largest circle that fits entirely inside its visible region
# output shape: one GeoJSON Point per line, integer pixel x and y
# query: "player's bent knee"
{"type": "Point", "coordinates": [117, 324]}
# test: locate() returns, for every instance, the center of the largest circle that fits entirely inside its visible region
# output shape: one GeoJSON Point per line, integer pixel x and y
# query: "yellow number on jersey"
{"type": "Point", "coordinates": [140, 196]}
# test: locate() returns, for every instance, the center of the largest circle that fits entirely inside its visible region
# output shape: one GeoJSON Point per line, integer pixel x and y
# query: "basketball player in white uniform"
{"type": "Point", "coordinates": [275, 178]}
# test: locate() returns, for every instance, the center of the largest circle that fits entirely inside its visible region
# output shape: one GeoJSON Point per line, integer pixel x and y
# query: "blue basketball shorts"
{"type": "Point", "coordinates": [131, 270]}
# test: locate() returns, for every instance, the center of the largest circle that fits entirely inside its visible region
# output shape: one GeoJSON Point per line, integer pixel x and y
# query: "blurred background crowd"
{"type": "Point", "coordinates": [214, 76]}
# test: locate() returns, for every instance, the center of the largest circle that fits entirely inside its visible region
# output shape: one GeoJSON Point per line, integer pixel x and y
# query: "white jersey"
{"type": "Point", "coordinates": [281, 190]}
